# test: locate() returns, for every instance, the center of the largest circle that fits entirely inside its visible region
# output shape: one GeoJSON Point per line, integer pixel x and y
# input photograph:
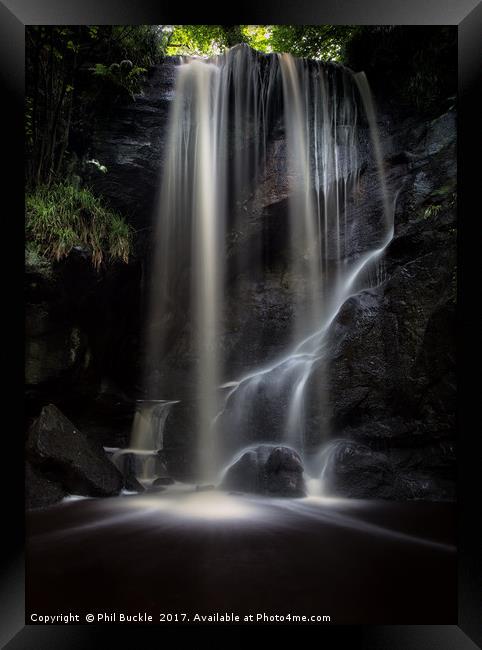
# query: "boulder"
{"type": "Point", "coordinates": [163, 480]}
{"type": "Point", "coordinates": [40, 490]}
{"type": "Point", "coordinates": [60, 451]}
{"type": "Point", "coordinates": [267, 469]}
{"type": "Point", "coordinates": [357, 471]}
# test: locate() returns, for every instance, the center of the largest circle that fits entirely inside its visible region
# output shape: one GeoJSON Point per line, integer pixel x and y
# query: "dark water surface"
{"type": "Point", "coordinates": [203, 552]}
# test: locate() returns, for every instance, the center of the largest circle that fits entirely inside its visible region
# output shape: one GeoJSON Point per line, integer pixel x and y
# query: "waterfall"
{"type": "Point", "coordinates": [148, 426]}
{"type": "Point", "coordinates": [215, 178]}
{"type": "Point", "coordinates": [142, 460]}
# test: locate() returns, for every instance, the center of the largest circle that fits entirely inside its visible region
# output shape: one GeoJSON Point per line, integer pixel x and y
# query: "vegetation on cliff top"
{"type": "Point", "coordinates": [311, 41]}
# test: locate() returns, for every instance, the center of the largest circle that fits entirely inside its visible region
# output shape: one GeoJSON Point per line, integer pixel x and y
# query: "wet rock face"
{"type": "Point", "coordinates": [268, 470]}
{"type": "Point", "coordinates": [131, 144]}
{"type": "Point", "coordinates": [77, 320]}
{"type": "Point", "coordinates": [359, 471]}
{"type": "Point", "coordinates": [391, 357]}
{"type": "Point", "coordinates": [60, 452]}
{"type": "Point", "coordinates": [51, 348]}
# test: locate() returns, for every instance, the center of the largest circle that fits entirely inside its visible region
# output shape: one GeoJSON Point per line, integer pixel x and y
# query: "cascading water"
{"type": "Point", "coordinates": [142, 459]}
{"type": "Point", "coordinates": [223, 116]}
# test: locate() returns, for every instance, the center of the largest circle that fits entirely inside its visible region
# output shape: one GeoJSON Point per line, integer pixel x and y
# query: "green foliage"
{"type": "Point", "coordinates": [63, 216]}
{"type": "Point", "coordinates": [141, 44]}
{"type": "Point", "coordinates": [441, 199]}
{"type": "Point", "coordinates": [36, 261]}
{"type": "Point", "coordinates": [310, 41]}
{"type": "Point", "coordinates": [259, 37]}
{"type": "Point", "coordinates": [324, 42]}
{"type": "Point", "coordinates": [201, 40]}
{"type": "Point", "coordinates": [124, 75]}
{"type": "Point", "coordinates": [432, 210]}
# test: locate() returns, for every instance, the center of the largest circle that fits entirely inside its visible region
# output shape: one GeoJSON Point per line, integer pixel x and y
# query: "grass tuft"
{"type": "Point", "coordinates": [63, 216]}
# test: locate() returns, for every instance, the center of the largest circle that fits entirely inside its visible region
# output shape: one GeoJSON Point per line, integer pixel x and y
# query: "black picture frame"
{"type": "Point", "coordinates": [467, 15]}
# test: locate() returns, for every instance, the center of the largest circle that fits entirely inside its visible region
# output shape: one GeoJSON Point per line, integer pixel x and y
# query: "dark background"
{"type": "Point", "coordinates": [432, 12]}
